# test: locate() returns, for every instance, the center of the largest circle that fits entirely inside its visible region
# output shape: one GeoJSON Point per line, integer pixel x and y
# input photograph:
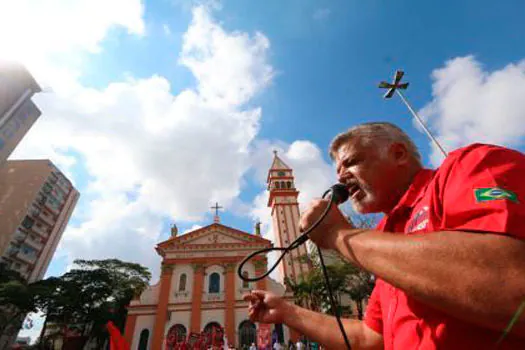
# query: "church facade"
{"type": "Point", "coordinates": [199, 290]}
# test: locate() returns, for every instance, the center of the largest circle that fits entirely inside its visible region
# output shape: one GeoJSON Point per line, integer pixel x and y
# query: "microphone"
{"type": "Point", "coordinates": [339, 194]}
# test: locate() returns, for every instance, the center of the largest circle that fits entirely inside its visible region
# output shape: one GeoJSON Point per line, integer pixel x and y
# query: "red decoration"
{"type": "Point", "coordinates": [116, 340]}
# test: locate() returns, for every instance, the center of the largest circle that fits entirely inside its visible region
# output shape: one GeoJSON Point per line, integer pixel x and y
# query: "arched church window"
{"type": "Point", "coordinates": [277, 184]}
{"type": "Point", "coordinates": [247, 334]}
{"type": "Point", "coordinates": [176, 335]}
{"type": "Point", "coordinates": [215, 283]}
{"type": "Point", "coordinates": [283, 185]}
{"type": "Point", "coordinates": [143, 340]}
{"type": "Point", "coordinates": [245, 284]}
{"type": "Point", "coordinates": [182, 283]}
{"type": "Point", "coordinates": [213, 336]}
{"type": "Point", "coordinates": [288, 184]}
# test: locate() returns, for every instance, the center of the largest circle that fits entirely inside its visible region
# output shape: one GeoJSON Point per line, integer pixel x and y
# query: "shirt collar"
{"type": "Point", "coordinates": [415, 191]}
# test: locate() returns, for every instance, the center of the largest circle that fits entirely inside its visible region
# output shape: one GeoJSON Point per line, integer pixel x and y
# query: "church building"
{"type": "Point", "coordinates": [199, 290]}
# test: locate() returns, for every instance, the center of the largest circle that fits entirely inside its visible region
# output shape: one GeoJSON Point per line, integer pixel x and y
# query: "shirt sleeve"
{"type": "Point", "coordinates": [373, 313]}
{"type": "Point", "coordinates": [484, 191]}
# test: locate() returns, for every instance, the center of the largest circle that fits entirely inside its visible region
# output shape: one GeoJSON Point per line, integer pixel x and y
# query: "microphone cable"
{"type": "Point", "coordinates": [338, 194]}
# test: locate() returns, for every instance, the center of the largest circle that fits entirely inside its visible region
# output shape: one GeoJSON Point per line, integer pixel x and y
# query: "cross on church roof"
{"type": "Point", "coordinates": [216, 217]}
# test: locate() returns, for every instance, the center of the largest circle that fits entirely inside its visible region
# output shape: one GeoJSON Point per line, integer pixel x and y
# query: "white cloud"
{"type": "Point", "coordinates": [174, 153]}
{"type": "Point", "coordinates": [241, 58]}
{"type": "Point", "coordinates": [471, 104]}
{"type": "Point", "coordinates": [321, 14]}
{"type": "Point", "coordinates": [50, 35]}
{"type": "Point", "coordinates": [166, 29]}
{"type": "Point", "coordinates": [192, 228]}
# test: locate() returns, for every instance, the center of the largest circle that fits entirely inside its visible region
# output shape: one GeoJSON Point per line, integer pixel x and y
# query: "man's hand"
{"type": "Point", "coordinates": [326, 233]}
{"type": "Point", "coordinates": [266, 307]}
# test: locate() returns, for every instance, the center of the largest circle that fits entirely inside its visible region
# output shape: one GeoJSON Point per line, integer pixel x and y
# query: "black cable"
{"type": "Point", "coordinates": [338, 194]}
{"type": "Point", "coordinates": [335, 310]}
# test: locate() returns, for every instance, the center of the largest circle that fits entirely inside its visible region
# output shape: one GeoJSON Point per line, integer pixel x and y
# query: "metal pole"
{"type": "Point", "coordinates": [405, 101]}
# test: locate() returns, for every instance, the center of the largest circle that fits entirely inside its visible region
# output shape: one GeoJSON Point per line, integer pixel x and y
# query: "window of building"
{"type": "Point", "coordinates": [182, 283]}
{"type": "Point", "coordinates": [27, 250]}
{"type": "Point", "coordinates": [35, 211]}
{"type": "Point", "coordinates": [245, 284]}
{"type": "Point", "coordinates": [176, 335]}
{"type": "Point", "coordinates": [214, 283]}
{"type": "Point", "coordinates": [213, 328]}
{"type": "Point", "coordinates": [143, 340]}
{"type": "Point", "coordinates": [289, 184]}
{"type": "Point", "coordinates": [53, 203]}
{"type": "Point", "coordinates": [52, 179]}
{"type": "Point", "coordinates": [277, 184]}
{"type": "Point", "coordinates": [247, 334]}
{"type": "Point", "coordinates": [28, 222]}
{"type": "Point", "coordinates": [63, 182]}
{"type": "Point", "coordinates": [47, 188]}
{"type": "Point", "coordinates": [41, 199]}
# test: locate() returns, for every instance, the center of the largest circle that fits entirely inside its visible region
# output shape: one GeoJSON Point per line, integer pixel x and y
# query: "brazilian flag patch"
{"type": "Point", "coordinates": [493, 194]}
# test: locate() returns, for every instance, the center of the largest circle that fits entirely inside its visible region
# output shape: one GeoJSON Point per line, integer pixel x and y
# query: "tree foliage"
{"type": "Point", "coordinates": [17, 298]}
{"type": "Point", "coordinates": [81, 301]}
{"type": "Point", "coordinates": [345, 279]}
{"type": "Point", "coordinates": [93, 293]}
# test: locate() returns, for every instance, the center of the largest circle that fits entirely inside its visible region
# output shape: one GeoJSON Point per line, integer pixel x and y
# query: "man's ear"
{"type": "Point", "coordinates": [399, 153]}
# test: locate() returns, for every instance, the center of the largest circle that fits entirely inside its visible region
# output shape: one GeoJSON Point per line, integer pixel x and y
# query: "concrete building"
{"type": "Point", "coordinates": [36, 202]}
{"type": "Point", "coordinates": [17, 112]}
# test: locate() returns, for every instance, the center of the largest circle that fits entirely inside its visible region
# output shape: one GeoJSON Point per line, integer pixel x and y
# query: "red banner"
{"type": "Point", "coordinates": [264, 336]}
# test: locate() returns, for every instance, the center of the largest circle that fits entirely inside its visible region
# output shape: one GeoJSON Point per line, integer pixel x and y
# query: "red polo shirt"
{"type": "Point", "coordinates": [478, 188]}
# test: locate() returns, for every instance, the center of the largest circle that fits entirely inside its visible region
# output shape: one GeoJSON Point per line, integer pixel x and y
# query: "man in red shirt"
{"type": "Point", "coordinates": [449, 254]}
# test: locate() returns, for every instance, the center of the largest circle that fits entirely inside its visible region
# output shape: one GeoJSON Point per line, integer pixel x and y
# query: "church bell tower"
{"type": "Point", "coordinates": [285, 219]}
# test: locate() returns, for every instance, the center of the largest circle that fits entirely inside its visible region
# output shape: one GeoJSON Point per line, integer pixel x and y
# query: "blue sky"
{"type": "Point", "coordinates": [157, 109]}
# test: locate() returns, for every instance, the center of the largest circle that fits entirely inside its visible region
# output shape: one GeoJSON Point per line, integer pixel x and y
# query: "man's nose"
{"type": "Point", "coordinates": [344, 176]}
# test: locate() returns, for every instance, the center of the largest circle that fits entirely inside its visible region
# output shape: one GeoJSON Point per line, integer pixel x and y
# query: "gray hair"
{"type": "Point", "coordinates": [370, 133]}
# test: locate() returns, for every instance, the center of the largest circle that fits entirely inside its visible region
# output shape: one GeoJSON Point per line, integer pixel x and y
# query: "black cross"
{"type": "Point", "coordinates": [394, 85]}
{"type": "Point", "coordinates": [216, 207]}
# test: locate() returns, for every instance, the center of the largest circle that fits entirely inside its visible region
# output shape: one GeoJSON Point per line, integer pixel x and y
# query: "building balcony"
{"type": "Point", "coordinates": [40, 231]}
{"type": "Point", "coordinates": [59, 195]}
{"type": "Point", "coordinates": [21, 268]}
{"type": "Point", "coordinates": [28, 258]}
{"type": "Point", "coordinates": [181, 294]}
{"type": "Point", "coordinates": [64, 185]}
{"type": "Point", "coordinates": [12, 251]}
{"type": "Point", "coordinates": [51, 208]}
{"type": "Point", "coordinates": [37, 244]}
{"type": "Point", "coordinates": [20, 236]}
{"type": "Point", "coordinates": [48, 219]}
{"type": "Point", "coordinates": [213, 297]}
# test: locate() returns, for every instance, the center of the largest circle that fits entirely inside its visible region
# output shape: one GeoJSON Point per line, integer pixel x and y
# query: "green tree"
{"type": "Point", "coordinates": [345, 278]}
{"type": "Point", "coordinates": [17, 299]}
{"type": "Point", "coordinates": [90, 295]}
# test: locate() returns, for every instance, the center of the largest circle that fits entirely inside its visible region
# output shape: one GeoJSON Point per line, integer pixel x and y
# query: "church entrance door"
{"type": "Point", "coordinates": [247, 334]}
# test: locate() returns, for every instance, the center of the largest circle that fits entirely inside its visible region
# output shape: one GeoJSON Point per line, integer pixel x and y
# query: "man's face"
{"type": "Point", "coordinates": [369, 176]}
